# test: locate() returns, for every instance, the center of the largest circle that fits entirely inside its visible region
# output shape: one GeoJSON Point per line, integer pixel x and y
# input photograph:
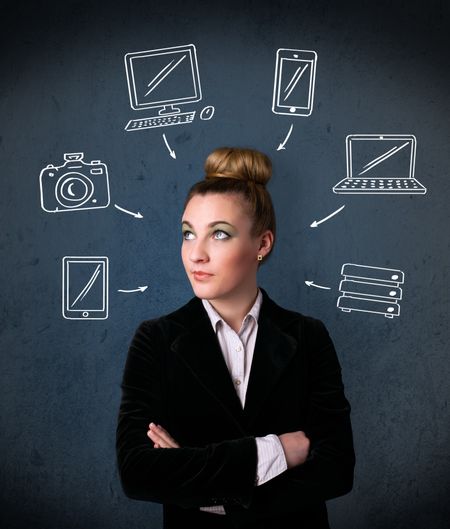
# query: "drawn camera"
{"type": "Point", "coordinates": [74, 185]}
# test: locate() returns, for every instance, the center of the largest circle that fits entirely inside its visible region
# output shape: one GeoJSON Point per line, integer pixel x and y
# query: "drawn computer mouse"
{"type": "Point", "coordinates": [207, 113]}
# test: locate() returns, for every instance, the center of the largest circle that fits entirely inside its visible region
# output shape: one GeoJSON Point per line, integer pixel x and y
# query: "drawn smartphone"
{"type": "Point", "coordinates": [85, 288]}
{"type": "Point", "coordinates": [293, 88]}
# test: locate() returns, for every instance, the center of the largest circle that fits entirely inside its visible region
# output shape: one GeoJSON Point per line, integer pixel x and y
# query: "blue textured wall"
{"type": "Point", "coordinates": [382, 68]}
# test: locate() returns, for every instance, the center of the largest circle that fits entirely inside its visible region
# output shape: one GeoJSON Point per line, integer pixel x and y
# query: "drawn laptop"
{"type": "Point", "coordinates": [382, 164]}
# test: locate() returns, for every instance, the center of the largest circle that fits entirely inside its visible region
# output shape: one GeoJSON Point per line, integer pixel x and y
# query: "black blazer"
{"type": "Point", "coordinates": [175, 375]}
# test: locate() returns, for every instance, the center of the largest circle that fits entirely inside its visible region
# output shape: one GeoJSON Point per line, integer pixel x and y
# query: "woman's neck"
{"type": "Point", "coordinates": [233, 308]}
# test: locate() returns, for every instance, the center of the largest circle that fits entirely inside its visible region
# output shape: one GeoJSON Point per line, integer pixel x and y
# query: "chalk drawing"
{"type": "Point", "coordinates": [171, 151]}
{"type": "Point", "coordinates": [137, 215]}
{"type": "Point", "coordinates": [312, 284]}
{"type": "Point", "coordinates": [162, 79]}
{"type": "Point", "coordinates": [316, 223]}
{"type": "Point", "coordinates": [207, 113]}
{"type": "Point", "coordinates": [130, 291]}
{"type": "Point", "coordinates": [75, 185]}
{"type": "Point", "coordinates": [370, 289]}
{"type": "Point", "coordinates": [380, 164]}
{"type": "Point", "coordinates": [282, 145]}
{"type": "Point", "coordinates": [85, 288]}
{"type": "Point", "coordinates": [294, 82]}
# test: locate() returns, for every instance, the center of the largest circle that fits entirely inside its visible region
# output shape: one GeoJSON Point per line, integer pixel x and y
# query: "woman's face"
{"type": "Point", "coordinates": [216, 240]}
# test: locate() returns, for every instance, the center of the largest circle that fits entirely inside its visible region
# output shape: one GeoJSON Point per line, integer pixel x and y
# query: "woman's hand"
{"type": "Point", "coordinates": [296, 447]}
{"type": "Point", "coordinates": [161, 437]}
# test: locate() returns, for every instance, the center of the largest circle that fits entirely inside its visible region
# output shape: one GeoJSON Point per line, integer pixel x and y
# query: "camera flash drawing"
{"type": "Point", "coordinates": [75, 185]}
{"type": "Point", "coordinates": [85, 288]}
{"type": "Point", "coordinates": [294, 83]}
{"type": "Point", "coordinates": [381, 164]}
{"type": "Point", "coordinates": [162, 79]}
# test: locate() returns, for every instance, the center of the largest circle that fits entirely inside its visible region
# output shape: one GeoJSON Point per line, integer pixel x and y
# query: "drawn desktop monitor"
{"type": "Point", "coordinates": [382, 164]}
{"type": "Point", "coordinates": [85, 288]}
{"type": "Point", "coordinates": [162, 79]}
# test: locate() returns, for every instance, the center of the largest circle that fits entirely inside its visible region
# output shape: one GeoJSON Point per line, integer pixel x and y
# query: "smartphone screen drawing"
{"type": "Point", "coordinates": [85, 288]}
{"type": "Point", "coordinates": [293, 89]}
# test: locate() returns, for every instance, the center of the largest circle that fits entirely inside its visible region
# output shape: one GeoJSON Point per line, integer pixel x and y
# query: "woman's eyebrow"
{"type": "Point", "coordinates": [211, 224]}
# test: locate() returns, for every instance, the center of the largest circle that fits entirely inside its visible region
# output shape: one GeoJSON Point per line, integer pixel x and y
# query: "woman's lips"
{"type": "Point", "coordinates": [201, 275]}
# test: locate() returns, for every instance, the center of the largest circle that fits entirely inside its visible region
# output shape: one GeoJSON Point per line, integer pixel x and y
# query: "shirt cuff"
{"type": "Point", "coordinates": [271, 458]}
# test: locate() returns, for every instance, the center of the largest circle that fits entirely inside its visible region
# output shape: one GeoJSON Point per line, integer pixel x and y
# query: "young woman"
{"type": "Point", "coordinates": [233, 412]}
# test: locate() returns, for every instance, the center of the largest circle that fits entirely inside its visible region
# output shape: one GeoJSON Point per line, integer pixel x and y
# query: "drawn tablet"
{"type": "Point", "coordinates": [293, 88]}
{"type": "Point", "coordinates": [85, 288]}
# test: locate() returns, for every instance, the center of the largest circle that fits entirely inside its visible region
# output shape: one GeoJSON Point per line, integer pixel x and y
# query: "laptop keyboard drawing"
{"type": "Point", "coordinates": [382, 164]}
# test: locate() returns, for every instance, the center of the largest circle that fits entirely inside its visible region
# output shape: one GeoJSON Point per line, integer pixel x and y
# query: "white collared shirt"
{"type": "Point", "coordinates": [237, 349]}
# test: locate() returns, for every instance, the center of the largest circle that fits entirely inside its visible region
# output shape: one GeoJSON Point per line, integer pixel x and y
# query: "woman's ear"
{"type": "Point", "coordinates": [266, 242]}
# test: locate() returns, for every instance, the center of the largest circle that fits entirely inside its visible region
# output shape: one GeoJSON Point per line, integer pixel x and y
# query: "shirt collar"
{"type": "Point", "coordinates": [215, 317]}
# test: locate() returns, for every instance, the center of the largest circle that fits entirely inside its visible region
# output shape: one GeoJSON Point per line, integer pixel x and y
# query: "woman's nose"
{"type": "Point", "coordinates": [198, 252]}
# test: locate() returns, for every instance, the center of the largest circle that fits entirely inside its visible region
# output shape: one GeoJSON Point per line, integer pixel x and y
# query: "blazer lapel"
{"type": "Point", "coordinates": [273, 351]}
{"type": "Point", "coordinates": [199, 349]}
{"type": "Point", "coordinates": [197, 346]}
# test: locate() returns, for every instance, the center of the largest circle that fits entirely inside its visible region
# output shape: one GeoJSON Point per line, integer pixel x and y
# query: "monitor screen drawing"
{"type": "Point", "coordinates": [163, 78]}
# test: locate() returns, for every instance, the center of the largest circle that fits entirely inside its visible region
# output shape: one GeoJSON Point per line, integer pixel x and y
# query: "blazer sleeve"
{"type": "Point", "coordinates": [185, 476]}
{"type": "Point", "coordinates": [328, 471]}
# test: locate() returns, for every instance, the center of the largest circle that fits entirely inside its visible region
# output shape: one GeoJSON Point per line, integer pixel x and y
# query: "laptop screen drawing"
{"type": "Point", "coordinates": [380, 159]}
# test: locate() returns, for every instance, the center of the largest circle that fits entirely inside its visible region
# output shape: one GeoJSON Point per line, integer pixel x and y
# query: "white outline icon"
{"type": "Point", "coordinates": [90, 181]}
{"type": "Point", "coordinates": [391, 171]}
{"type": "Point", "coordinates": [294, 82]}
{"type": "Point", "coordinates": [316, 223]}
{"type": "Point", "coordinates": [164, 78]}
{"type": "Point", "coordinates": [370, 289]}
{"type": "Point", "coordinates": [97, 272]}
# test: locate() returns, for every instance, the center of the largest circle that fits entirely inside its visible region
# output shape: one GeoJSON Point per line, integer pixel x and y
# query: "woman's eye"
{"type": "Point", "coordinates": [185, 232]}
{"type": "Point", "coordinates": [224, 233]}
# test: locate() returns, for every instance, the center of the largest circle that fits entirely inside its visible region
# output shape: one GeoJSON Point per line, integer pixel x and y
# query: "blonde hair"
{"type": "Point", "coordinates": [244, 172]}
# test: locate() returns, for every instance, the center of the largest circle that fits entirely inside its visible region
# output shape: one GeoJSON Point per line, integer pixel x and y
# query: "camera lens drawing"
{"type": "Point", "coordinates": [75, 185]}
{"type": "Point", "coordinates": [85, 288]}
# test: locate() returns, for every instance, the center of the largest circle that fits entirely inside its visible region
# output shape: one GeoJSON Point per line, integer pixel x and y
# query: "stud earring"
{"type": "Point", "coordinates": [259, 257]}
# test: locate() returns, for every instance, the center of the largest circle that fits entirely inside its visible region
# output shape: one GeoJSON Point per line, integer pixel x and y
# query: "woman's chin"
{"type": "Point", "coordinates": [203, 291]}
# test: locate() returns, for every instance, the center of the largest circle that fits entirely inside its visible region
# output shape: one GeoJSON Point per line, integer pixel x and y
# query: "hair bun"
{"type": "Point", "coordinates": [238, 163]}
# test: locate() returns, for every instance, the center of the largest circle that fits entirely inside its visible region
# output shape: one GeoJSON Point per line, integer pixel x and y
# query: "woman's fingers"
{"type": "Point", "coordinates": [161, 436]}
{"type": "Point", "coordinates": [157, 440]}
{"type": "Point", "coordinates": [164, 434]}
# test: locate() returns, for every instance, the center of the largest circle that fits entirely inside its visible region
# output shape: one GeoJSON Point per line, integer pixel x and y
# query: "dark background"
{"type": "Point", "coordinates": [382, 68]}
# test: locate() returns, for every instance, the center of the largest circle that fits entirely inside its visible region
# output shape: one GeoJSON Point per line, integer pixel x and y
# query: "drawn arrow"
{"type": "Point", "coordinates": [282, 145]}
{"type": "Point", "coordinates": [171, 152]}
{"type": "Point", "coordinates": [317, 222]}
{"type": "Point", "coordinates": [312, 284]}
{"type": "Point", "coordinates": [138, 289]}
{"type": "Point", "coordinates": [135, 215]}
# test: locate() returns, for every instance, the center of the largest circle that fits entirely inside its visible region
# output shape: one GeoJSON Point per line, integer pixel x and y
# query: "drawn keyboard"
{"type": "Point", "coordinates": [380, 185]}
{"type": "Point", "coordinates": [160, 121]}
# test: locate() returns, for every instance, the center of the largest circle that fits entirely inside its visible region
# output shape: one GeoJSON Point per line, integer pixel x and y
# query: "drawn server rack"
{"type": "Point", "coordinates": [370, 289]}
